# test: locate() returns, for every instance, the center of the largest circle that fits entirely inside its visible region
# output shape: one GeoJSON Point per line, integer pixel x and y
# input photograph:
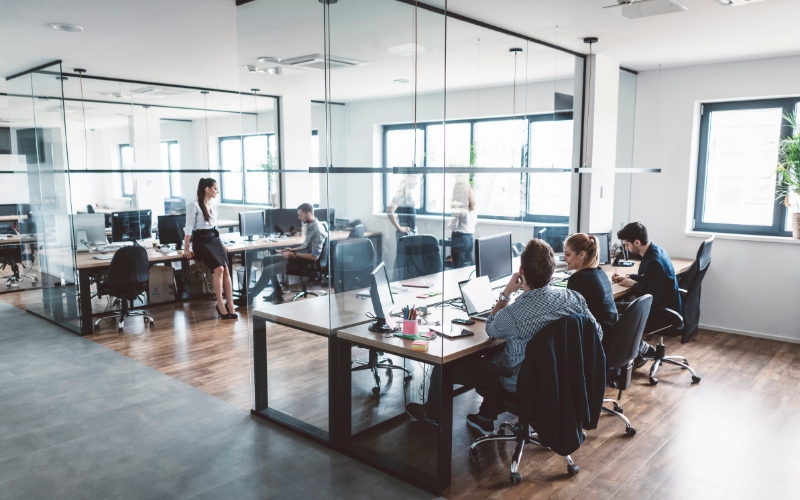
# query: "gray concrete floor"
{"type": "Point", "coordinates": [80, 421]}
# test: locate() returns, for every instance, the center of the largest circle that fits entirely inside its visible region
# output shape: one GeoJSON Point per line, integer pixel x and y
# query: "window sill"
{"type": "Point", "coordinates": [744, 237]}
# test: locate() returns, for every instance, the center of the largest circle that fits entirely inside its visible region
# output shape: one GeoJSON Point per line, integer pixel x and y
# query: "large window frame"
{"type": "Point", "coordinates": [172, 171]}
{"type": "Point", "coordinates": [423, 210]}
{"type": "Point", "coordinates": [125, 189]}
{"type": "Point", "coordinates": [241, 139]}
{"type": "Point", "coordinates": [780, 211]}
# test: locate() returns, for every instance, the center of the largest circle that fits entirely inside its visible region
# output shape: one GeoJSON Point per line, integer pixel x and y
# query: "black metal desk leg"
{"type": "Point", "coordinates": [341, 426]}
{"type": "Point", "coordinates": [260, 382]}
{"type": "Point", "coordinates": [445, 448]}
{"type": "Point", "coordinates": [85, 301]}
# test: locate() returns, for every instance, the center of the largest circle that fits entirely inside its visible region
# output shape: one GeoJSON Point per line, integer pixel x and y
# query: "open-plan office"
{"type": "Point", "coordinates": [321, 229]}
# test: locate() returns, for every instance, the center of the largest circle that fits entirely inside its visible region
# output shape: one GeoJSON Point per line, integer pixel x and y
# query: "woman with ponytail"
{"type": "Point", "coordinates": [582, 255]}
{"type": "Point", "coordinates": [201, 221]}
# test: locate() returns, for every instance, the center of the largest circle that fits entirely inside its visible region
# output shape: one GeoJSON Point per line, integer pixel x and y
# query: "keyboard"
{"type": "Point", "coordinates": [482, 315]}
{"type": "Point", "coordinates": [104, 256]}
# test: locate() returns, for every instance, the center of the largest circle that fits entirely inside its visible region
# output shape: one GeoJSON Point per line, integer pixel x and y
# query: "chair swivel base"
{"type": "Point", "coordinates": [630, 430]}
{"type": "Point", "coordinates": [521, 436]}
{"type": "Point", "coordinates": [306, 293]}
{"type": "Point", "coordinates": [17, 279]}
{"type": "Point", "coordinates": [374, 364]}
{"type": "Point", "coordinates": [661, 357]}
{"type": "Point", "coordinates": [121, 320]}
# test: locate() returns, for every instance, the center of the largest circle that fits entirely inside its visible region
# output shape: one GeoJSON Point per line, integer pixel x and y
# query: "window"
{"type": "Point", "coordinates": [126, 163]}
{"type": "Point", "coordinates": [242, 155]}
{"type": "Point", "coordinates": [171, 160]}
{"type": "Point", "coordinates": [316, 161]}
{"type": "Point", "coordinates": [540, 141]}
{"type": "Point", "coordinates": [736, 180]}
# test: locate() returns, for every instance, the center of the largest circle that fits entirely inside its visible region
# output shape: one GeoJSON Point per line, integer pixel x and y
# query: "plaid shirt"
{"type": "Point", "coordinates": [517, 323]}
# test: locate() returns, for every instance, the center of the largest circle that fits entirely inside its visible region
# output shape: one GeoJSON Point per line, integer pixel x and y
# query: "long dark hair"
{"type": "Point", "coordinates": [205, 182]}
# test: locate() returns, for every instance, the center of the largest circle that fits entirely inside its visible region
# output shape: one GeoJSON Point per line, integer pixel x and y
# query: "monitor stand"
{"type": "Point", "coordinates": [380, 326]}
{"type": "Point", "coordinates": [251, 238]}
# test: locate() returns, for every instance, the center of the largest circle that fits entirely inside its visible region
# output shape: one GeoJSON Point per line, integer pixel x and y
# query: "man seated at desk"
{"type": "Point", "coordinates": [517, 323]}
{"type": "Point", "coordinates": [656, 276]}
{"type": "Point", "coordinates": [291, 258]}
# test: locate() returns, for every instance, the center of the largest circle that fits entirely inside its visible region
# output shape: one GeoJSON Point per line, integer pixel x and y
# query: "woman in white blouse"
{"type": "Point", "coordinates": [463, 221]}
{"type": "Point", "coordinates": [201, 221]}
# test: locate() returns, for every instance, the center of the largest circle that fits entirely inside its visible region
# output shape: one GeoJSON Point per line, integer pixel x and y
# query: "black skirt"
{"type": "Point", "coordinates": [208, 248]}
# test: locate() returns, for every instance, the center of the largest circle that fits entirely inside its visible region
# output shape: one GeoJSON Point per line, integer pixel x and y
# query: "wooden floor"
{"type": "Point", "coordinates": [734, 435]}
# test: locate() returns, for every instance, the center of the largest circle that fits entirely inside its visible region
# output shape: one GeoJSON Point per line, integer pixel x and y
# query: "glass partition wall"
{"type": "Point", "coordinates": [438, 149]}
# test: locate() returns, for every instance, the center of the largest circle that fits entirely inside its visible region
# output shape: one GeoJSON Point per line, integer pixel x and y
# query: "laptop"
{"type": "Point", "coordinates": [478, 297]}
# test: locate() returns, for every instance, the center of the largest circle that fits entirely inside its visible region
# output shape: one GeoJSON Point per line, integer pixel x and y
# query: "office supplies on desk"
{"type": "Point", "coordinates": [456, 332]}
{"type": "Point", "coordinates": [419, 345]}
{"type": "Point", "coordinates": [461, 321]}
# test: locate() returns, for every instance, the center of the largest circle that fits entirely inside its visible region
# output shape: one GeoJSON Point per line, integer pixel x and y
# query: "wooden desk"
{"type": "Point", "coordinates": [341, 319]}
{"type": "Point", "coordinates": [620, 291]}
{"type": "Point", "coordinates": [85, 264]}
{"type": "Point", "coordinates": [12, 218]}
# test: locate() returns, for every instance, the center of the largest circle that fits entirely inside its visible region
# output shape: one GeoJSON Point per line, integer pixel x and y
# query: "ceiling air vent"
{"type": "Point", "coordinates": [634, 9]}
{"type": "Point", "coordinates": [317, 61]}
{"type": "Point", "coordinates": [160, 91]}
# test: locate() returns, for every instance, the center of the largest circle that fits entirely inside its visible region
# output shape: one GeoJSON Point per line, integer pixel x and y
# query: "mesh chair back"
{"type": "Point", "coordinates": [418, 255]}
{"type": "Point", "coordinates": [352, 264]}
{"type": "Point", "coordinates": [704, 253]}
{"type": "Point", "coordinates": [628, 333]}
{"type": "Point", "coordinates": [357, 231]}
{"type": "Point", "coordinates": [692, 282]}
{"type": "Point", "coordinates": [323, 257]}
{"type": "Point", "coordinates": [129, 269]}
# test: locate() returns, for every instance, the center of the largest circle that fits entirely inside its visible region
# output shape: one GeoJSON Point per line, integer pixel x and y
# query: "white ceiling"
{"type": "Point", "coordinates": [194, 42]}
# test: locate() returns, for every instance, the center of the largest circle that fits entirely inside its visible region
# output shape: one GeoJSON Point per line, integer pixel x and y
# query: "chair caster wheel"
{"type": "Point", "coordinates": [515, 478]}
{"type": "Point", "coordinates": [618, 408]}
{"type": "Point", "coordinates": [152, 324]}
{"type": "Point", "coordinates": [695, 380]}
{"type": "Point", "coordinates": [407, 378]}
{"type": "Point", "coordinates": [630, 431]}
{"type": "Point", "coordinates": [119, 330]}
{"type": "Point", "coordinates": [473, 453]}
{"type": "Point", "coordinates": [653, 381]}
{"type": "Point", "coordinates": [573, 470]}
{"type": "Point", "coordinates": [376, 390]}
{"type": "Point", "coordinates": [96, 328]}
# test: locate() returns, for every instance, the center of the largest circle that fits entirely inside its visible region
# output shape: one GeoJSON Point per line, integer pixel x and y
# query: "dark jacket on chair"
{"type": "Point", "coordinates": [562, 382]}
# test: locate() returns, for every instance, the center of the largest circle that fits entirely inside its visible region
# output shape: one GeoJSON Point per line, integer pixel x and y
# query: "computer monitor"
{"type": "Point", "coordinates": [604, 240]}
{"type": "Point", "coordinates": [88, 229]}
{"type": "Point", "coordinates": [325, 215]}
{"type": "Point", "coordinates": [282, 221]}
{"type": "Point", "coordinates": [8, 227]}
{"type": "Point", "coordinates": [380, 292]}
{"type": "Point", "coordinates": [131, 226]}
{"type": "Point", "coordinates": [174, 206]}
{"type": "Point", "coordinates": [251, 224]}
{"type": "Point", "coordinates": [553, 234]}
{"type": "Point", "coordinates": [171, 230]}
{"type": "Point", "coordinates": [493, 257]}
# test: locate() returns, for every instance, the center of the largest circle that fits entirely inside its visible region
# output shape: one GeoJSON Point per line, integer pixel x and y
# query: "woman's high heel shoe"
{"type": "Point", "coordinates": [222, 316]}
{"type": "Point", "coordinates": [233, 315]}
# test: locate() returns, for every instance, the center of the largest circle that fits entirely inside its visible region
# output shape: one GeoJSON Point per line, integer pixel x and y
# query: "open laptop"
{"type": "Point", "coordinates": [478, 297]}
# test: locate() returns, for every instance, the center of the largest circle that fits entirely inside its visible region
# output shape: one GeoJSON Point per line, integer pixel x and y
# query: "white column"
{"type": "Point", "coordinates": [295, 143]}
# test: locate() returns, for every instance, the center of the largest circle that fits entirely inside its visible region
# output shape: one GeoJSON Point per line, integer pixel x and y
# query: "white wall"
{"type": "Point", "coordinates": [752, 287]}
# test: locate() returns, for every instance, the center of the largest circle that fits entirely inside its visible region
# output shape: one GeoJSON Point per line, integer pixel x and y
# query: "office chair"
{"type": "Point", "coordinates": [13, 255]}
{"type": "Point", "coordinates": [315, 270]}
{"type": "Point", "coordinates": [682, 325]}
{"type": "Point", "coordinates": [417, 255]}
{"type": "Point", "coordinates": [90, 209]}
{"type": "Point", "coordinates": [559, 428]}
{"type": "Point", "coordinates": [128, 277]}
{"type": "Point", "coordinates": [357, 232]}
{"type": "Point", "coordinates": [517, 248]}
{"type": "Point", "coordinates": [621, 349]}
{"type": "Point", "coordinates": [351, 264]}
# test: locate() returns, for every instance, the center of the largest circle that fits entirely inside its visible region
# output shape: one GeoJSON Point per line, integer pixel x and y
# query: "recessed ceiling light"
{"type": "Point", "coordinates": [401, 80]}
{"type": "Point", "coordinates": [269, 59]}
{"type": "Point", "coordinates": [72, 28]}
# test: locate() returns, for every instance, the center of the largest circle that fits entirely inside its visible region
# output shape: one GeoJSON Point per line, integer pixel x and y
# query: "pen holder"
{"type": "Point", "coordinates": [410, 326]}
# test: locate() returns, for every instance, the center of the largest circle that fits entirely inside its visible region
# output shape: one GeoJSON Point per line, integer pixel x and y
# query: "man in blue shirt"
{"type": "Point", "coordinates": [656, 277]}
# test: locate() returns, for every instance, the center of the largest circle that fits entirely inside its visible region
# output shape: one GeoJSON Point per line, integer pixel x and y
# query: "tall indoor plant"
{"type": "Point", "coordinates": [788, 171]}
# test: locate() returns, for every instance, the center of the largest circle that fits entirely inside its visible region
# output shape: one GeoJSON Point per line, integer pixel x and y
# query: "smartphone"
{"type": "Point", "coordinates": [456, 333]}
{"type": "Point", "coordinates": [460, 321]}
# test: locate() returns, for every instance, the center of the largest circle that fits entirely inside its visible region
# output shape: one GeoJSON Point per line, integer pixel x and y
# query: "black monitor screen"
{"type": "Point", "coordinates": [493, 256]}
{"type": "Point", "coordinates": [131, 226]}
{"type": "Point", "coordinates": [251, 223]}
{"type": "Point", "coordinates": [171, 229]}
{"type": "Point", "coordinates": [554, 235]}
{"type": "Point", "coordinates": [282, 221]}
{"type": "Point", "coordinates": [381, 292]}
{"type": "Point", "coordinates": [604, 240]}
{"type": "Point", "coordinates": [325, 215]}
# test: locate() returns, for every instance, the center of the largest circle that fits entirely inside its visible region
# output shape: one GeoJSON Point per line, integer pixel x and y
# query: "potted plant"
{"type": "Point", "coordinates": [788, 171]}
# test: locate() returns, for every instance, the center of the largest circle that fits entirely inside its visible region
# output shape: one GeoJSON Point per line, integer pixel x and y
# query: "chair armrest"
{"type": "Point", "coordinates": [499, 370]}
{"type": "Point", "coordinates": [674, 314]}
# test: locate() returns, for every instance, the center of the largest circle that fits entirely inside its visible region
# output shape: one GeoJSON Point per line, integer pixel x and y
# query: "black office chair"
{"type": "Point", "coordinates": [517, 248]}
{"type": "Point", "coordinates": [90, 209]}
{"type": "Point", "coordinates": [357, 232]}
{"type": "Point", "coordinates": [308, 271]}
{"type": "Point", "coordinates": [532, 401]}
{"type": "Point", "coordinates": [621, 349]}
{"type": "Point", "coordinates": [682, 325]}
{"type": "Point", "coordinates": [14, 256]}
{"type": "Point", "coordinates": [417, 255]}
{"type": "Point", "coordinates": [351, 264]}
{"type": "Point", "coordinates": [128, 277]}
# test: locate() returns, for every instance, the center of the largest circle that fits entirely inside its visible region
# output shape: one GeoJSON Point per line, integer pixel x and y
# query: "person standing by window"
{"type": "Point", "coordinates": [201, 222]}
{"type": "Point", "coordinates": [402, 211]}
{"type": "Point", "coordinates": [463, 221]}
